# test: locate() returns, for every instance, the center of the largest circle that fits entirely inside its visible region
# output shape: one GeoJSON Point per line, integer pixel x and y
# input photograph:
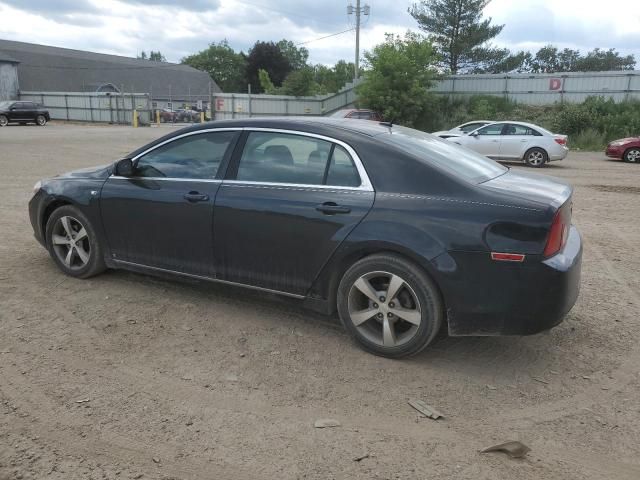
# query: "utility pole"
{"type": "Point", "coordinates": [365, 10]}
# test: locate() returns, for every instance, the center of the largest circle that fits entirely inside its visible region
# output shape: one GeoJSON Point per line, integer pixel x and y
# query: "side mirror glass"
{"type": "Point", "coordinates": [474, 134]}
{"type": "Point", "coordinates": [124, 167]}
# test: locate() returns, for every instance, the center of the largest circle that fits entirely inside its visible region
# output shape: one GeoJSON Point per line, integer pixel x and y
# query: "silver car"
{"type": "Point", "coordinates": [512, 141]}
{"type": "Point", "coordinates": [462, 129]}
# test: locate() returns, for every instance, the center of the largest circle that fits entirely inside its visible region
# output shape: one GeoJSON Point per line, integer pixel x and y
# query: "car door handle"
{"type": "Point", "coordinates": [331, 208]}
{"type": "Point", "coordinates": [194, 197]}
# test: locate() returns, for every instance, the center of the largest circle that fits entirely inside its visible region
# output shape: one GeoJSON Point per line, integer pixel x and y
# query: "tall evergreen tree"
{"type": "Point", "coordinates": [458, 32]}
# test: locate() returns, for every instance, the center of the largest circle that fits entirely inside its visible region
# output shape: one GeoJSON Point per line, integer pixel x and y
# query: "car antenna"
{"type": "Point", "coordinates": [387, 124]}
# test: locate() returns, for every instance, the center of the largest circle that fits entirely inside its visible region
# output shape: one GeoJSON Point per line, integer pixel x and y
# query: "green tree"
{"type": "Point", "coordinates": [332, 79]}
{"type": "Point", "coordinates": [599, 60]}
{"type": "Point", "coordinates": [398, 77]}
{"type": "Point", "coordinates": [297, 56]}
{"type": "Point", "coordinates": [266, 84]}
{"type": "Point", "coordinates": [153, 56]}
{"type": "Point", "coordinates": [266, 56]}
{"type": "Point", "coordinates": [458, 31]}
{"type": "Point", "coordinates": [300, 83]}
{"type": "Point", "coordinates": [157, 56]}
{"type": "Point", "coordinates": [223, 64]}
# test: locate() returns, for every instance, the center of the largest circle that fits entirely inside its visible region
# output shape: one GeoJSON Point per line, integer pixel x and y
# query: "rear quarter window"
{"type": "Point", "coordinates": [443, 154]}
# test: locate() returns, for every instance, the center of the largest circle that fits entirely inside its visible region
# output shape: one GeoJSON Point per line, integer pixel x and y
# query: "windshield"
{"type": "Point", "coordinates": [448, 156]}
{"type": "Point", "coordinates": [6, 104]}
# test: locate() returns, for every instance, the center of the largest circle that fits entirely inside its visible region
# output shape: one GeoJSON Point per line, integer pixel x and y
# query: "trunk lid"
{"type": "Point", "coordinates": [532, 187]}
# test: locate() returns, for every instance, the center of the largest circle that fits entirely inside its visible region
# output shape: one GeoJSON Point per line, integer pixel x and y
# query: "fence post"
{"type": "Point", "coordinates": [91, 108]}
{"type": "Point", "coordinates": [506, 87]}
{"type": "Point", "coordinates": [233, 106]}
{"type": "Point", "coordinates": [627, 95]}
{"type": "Point", "coordinates": [66, 105]}
{"type": "Point", "coordinates": [286, 106]}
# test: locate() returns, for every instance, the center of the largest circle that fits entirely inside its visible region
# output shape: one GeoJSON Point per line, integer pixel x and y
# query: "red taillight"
{"type": "Point", "coordinates": [561, 141]}
{"type": "Point", "coordinates": [559, 231]}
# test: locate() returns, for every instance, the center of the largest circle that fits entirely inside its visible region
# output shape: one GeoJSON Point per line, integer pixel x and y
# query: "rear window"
{"type": "Point", "coordinates": [443, 154]}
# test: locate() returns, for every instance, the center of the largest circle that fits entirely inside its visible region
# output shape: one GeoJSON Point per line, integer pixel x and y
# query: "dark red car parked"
{"type": "Point", "coordinates": [627, 149]}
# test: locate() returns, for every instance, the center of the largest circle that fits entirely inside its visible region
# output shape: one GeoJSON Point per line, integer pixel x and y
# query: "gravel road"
{"type": "Point", "coordinates": [128, 376]}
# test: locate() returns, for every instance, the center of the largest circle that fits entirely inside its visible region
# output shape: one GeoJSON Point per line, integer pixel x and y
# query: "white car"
{"type": "Point", "coordinates": [462, 129]}
{"type": "Point", "coordinates": [511, 141]}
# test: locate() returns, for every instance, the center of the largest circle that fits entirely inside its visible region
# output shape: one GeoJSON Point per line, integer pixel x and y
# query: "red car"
{"type": "Point", "coordinates": [627, 149]}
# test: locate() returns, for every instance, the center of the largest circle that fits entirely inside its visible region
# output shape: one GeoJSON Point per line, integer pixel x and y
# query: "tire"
{"type": "Point", "coordinates": [385, 332]}
{"type": "Point", "coordinates": [4, 121]}
{"type": "Point", "coordinates": [41, 120]}
{"type": "Point", "coordinates": [632, 155]}
{"type": "Point", "coordinates": [536, 157]}
{"type": "Point", "coordinates": [86, 257]}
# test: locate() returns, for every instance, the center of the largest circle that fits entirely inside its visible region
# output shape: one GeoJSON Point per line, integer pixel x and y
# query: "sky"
{"type": "Point", "coordinates": [181, 27]}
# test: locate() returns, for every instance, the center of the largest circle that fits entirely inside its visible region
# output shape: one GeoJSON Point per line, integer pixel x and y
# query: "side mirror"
{"type": "Point", "coordinates": [124, 167]}
{"type": "Point", "coordinates": [473, 134]}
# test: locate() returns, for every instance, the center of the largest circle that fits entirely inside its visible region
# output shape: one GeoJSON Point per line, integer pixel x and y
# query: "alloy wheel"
{"type": "Point", "coordinates": [40, 120]}
{"type": "Point", "coordinates": [535, 158]}
{"type": "Point", "coordinates": [3, 121]}
{"type": "Point", "coordinates": [633, 156]}
{"type": "Point", "coordinates": [71, 243]}
{"type": "Point", "coordinates": [384, 309]}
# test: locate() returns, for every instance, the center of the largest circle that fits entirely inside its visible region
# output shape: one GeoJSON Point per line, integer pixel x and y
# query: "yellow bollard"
{"type": "Point", "coordinates": [135, 118]}
{"type": "Point", "coordinates": [158, 117]}
{"type": "Point", "coordinates": [201, 117]}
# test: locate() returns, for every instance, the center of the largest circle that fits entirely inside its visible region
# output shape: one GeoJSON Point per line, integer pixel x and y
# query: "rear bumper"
{"type": "Point", "coordinates": [558, 154]}
{"type": "Point", "coordinates": [502, 298]}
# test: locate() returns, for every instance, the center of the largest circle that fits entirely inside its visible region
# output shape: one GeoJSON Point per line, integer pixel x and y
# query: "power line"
{"type": "Point", "coordinates": [327, 36]}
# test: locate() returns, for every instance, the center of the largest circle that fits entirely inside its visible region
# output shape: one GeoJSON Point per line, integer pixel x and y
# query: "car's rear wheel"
{"type": "Point", "coordinates": [41, 120]}
{"type": "Point", "coordinates": [389, 306]}
{"type": "Point", "coordinates": [632, 155]}
{"type": "Point", "coordinates": [536, 157]}
{"type": "Point", "coordinates": [73, 244]}
{"type": "Point", "coordinates": [3, 121]}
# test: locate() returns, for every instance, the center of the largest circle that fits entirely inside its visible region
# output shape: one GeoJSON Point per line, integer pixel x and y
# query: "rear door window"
{"type": "Point", "coordinates": [273, 157]}
{"type": "Point", "coordinates": [513, 129]}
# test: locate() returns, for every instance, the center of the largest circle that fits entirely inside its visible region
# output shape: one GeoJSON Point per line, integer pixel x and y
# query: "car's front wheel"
{"type": "Point", "coordinates": [632, 155]}
{"type": "Point", "coordinates": [41, 120]}
{"type": "Point", "coordinates": [389, 306]}
{"type": "Point", "coordinates": [536, 157]}
{"type": "Point", "coordinates": [3, 121]}
{"type": "Point", "coordinates": [73, 244]}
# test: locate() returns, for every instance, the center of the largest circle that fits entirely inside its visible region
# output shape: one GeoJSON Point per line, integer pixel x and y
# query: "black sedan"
{"type": "Point", "coordinates": [398, 231]}
{"type": "Point", "coordinates": [23, 112]}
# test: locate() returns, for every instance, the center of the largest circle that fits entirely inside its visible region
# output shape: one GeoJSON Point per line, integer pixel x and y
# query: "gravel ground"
{"type": "Point", "coordinates": [128, 376]}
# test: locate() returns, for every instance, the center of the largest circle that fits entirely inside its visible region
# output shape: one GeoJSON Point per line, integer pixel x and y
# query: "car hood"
{"type": "Point", "coordinates": [628, 139]}
{"type": "Point", "coordinates": [102, 171]}
{"type": "Point", "coordinates": [541, 189]}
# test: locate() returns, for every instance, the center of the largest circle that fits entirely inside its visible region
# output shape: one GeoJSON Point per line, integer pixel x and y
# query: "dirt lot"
{"type": "Point", "coordinates": [127, 376]}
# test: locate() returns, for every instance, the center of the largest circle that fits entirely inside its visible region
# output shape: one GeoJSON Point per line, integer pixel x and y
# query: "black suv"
{"type": "Point", "coordinates": [22, 112]}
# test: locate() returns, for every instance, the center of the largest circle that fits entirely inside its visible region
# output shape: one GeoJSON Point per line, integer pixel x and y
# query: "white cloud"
{"type": "Point", "coordinates": [127, 27]}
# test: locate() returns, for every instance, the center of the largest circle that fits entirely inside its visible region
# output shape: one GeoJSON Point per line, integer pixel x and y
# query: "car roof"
{"type": "Point", "coordinates": [365, 127]}
{"type": "Point", "coordinates": [333, 127]}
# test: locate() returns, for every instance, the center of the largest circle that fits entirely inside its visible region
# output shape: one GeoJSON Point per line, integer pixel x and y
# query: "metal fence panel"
{"type": "Point", "coordinates": [545, 88]}
{"type": "Point", "coordinates": [93, 107]}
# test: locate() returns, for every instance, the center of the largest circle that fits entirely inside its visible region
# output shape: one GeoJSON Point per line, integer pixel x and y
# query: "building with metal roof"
{"type": "Point", "coordinates": [42, 68]}
{"type": "Point", "coordinates": [8, 77]}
